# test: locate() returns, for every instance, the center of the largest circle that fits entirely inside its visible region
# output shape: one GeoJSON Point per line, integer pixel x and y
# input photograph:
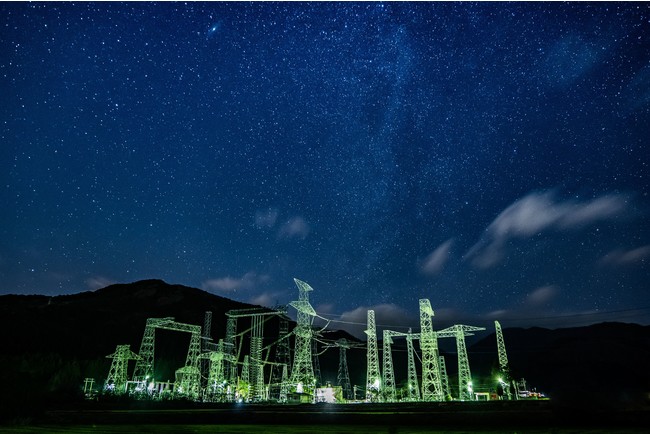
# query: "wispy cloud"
{"type": "Point", "coordinates": [97, 282]}
{"type": "Point", "coordinates": [539, 212]}
{"type": "Point", "coordinates": [435, 262]}
{"type": "Point", "coordinates": [620, 257]}
{"type": "Point", "coordinates": [541, 296]}
{"type": "Point", "coordinates": [295, 227]}
{"type": "Point", "coordinates": [250, 280]}
{"type": "Point", "coordinates": [267, 298]}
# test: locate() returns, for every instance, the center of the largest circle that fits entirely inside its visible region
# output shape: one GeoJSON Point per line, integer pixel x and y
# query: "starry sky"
{"type": "Point", "coordinates": [492, 157]}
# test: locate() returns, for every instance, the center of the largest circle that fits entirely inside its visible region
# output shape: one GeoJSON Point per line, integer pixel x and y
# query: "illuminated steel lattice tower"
{"type": "Point", "coordinates": [373, 376]}
{"type": "Point", "coordinates": [458, 331]}
{"type": "Point", "coordinates": [256, 366]}
{"type": "Point", "coordinates": [302, 373]}
{"type": "Point", "coordinates": [144, 366]}
{"type": "Point", "coordinates": [316, 362]}
{"type": "Point", "coordinates": [230, 365]}
{"type": "Point", "coordinates": [444, 378]}
{"type": "Point", "coordinates": [503, 358]}
{"type": "Point", "coordinates": [284, 385]}
{"type": "Point", "coordinates": [216, 389]}
{"type": "Point", "coordinates": [188, 378]}
{"type": "Point", "coordinates": [431, 384]}
{"type": "Point", "coordinates": [501, 349]}
{"type": "Point", "coordinates": [245, 371]}
{"type": "Point", "coordinates": [343, 376]}
{"type": "Point", "coordinates": [388, 386]}
{"type": "Point", "coordinates": [206, 340]}
{"type": "Point", "coordinates": [282, 357]}
{"type": "Point", "coordinates": [413, 386]}
{"type": "Point", "coordinates": [117, 375]}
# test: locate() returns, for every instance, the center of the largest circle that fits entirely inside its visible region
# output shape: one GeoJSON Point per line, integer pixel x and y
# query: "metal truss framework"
{"type": "Point", "coordinates": [459, 331]}
{"type": "Point", "coordinates": [431, 384]}
{"type": "Point", "coordinates": [256, 364]}
{"type": "Point", "coordinates": [187, 377]}
{"type": "Point", "coordinates": [413, 385]}
{"type": "Point", "coordinates": [373, 376]}
{"type": "Point", "coordinates": [117, 375]}
{"type": "Point", "coordinates": [444, 378]}
{"type": "Point", "coordinates": [343, 375]}
{"type": "Point", "coordinates": [302, 374]}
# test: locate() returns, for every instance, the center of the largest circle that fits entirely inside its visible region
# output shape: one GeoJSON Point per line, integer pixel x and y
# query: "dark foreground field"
{"type": "Point", "coordinates": [486, 417]}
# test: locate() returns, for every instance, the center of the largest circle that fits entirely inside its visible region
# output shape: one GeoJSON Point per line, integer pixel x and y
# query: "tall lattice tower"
{"type": "Point", "coordinates": [316, 361]}
{"type": "Point", "coordinates": [117, 375]}
{"type": "Point", "coordinates": [504, 367]}
{"type": "Point", "coordinates": [144, 366]}
{"type": "Point", "coordinates": [444, 378]}
{"type": "Point", "coordinates": [459, 331]}
{"type": "Point", "coordinates": [230, 347]}
{"type": "Point", "coordinates": [302, 373]}
{"type": "Point", "coordinates": [216, 382]}
{"type": "Point", "coordinates": [431, 384]}
{"type": "Point", "coordinates": [388, 386]}
{"type": "Point", "coordinates": [413, 386]}
{"type": "Point", "coordinates": [501, 349]}
{"type": "Point", "coordinates": [343, 376]}
{"type": "Point", "coordinates": [373, 376]}
{"type": "Point", "coordinates": [256, 365]}
{"type": "Point", "coordinates": [206, 340]}
{"type": "Point", "coordinates": [284, 385]}
{"type": "Point", "coordinates": [282, 357]}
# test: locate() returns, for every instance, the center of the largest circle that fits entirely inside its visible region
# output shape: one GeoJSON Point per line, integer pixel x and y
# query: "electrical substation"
{"type": "Point", "coordinates": [283, 366]}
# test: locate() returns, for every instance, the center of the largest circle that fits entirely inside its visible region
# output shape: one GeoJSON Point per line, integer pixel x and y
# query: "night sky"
{"type": "Point", "coordinates": [492, 157]}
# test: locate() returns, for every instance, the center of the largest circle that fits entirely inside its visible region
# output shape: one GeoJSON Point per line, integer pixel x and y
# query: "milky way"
{"type": "Point", "coordinates": [491, 157]}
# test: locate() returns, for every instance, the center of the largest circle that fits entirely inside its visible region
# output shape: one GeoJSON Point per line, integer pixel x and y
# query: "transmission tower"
{"type": "Point", "coordinates": [431, 384]}
{"type": "Point", "coordinates": [302, 373]}
{"type": "Point", "coordinates": [373, 376]}
{"type": "Point", "coordinates": [444, 378]}
{"type": "Point", "coordinates": [501, 349]}
{"type": "Point", "coordinates": [230, 345]}
{"type": "Point", "coordinates": [459, 331]}
{"type": "Point", "coordinates": [284, 385]}
{"type": "Point", "coordinates": [504, 367]}
{"type": "Point", "coordinates": [316, 361]}
{"type": "Point", "coordinates": [117, 375]}
{"type": "Point", "coordinates": [282, 355]}
{"type": "Point", "coordinates": [216, 382]}
{"type": "Point", "coordinates": [343, 377]}
{"type": "Point", "coordinates": [189, 376]}
{"type": "Point", "coordinates": [388, 388]}
{"type": "Point", "coordinates": [257, 315]}
{"type": "Point", "coordinates": [413, 385]}
{"type": "Point", "coordinates": [206, 340]}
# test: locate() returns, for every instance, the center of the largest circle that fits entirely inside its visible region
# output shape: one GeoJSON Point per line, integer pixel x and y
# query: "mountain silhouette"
{"type": "Point", "coordinates": [50, 344]}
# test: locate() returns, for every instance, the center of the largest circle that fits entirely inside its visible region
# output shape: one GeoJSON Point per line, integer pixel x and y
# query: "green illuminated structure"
{"type": "Point", "coordinates": [413, 385]}
{"type": "Point", "coordinates": [444, 378]}
{"type": "Point", "coordinates": [459, 331]}
{"type": "Point", "coordinates": [302, 374]}
{"type": "Point", "coordinates": [188, 377]}
{"type": "Point", "coordinates": [388, 386]}
{"type": "Point", "coordinates": [117, 375]}
{"type": "Point", "coordinates": [503, 360]}
{"type": "Point", "coordinates": [343, 376]}
{"type": "Point", "coordinates": [501, 349]}
{"type": "Point", "coordinates": [373, 376]}
{"type": "Point", "coordinates": [431, 384]}
{"type": "Point", "coordinates": [256, 365]}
